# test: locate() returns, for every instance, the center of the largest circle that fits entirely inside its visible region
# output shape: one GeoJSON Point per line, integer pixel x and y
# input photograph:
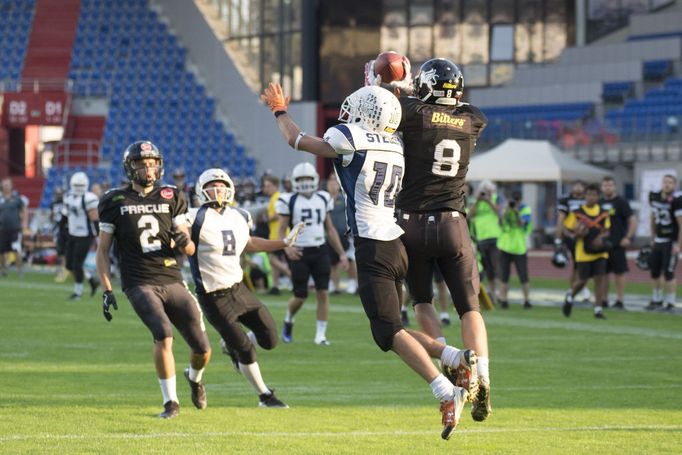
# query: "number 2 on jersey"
{"type": "Point", "coordinates": [446, 156]}
{"type": "Point", "coordinates": [150, 227]}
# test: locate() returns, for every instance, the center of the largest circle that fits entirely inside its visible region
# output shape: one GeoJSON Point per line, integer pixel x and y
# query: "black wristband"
{"type": "Point", "coordinates": [278, 113]}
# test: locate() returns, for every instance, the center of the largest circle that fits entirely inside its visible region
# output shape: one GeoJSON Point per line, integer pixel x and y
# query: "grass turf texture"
{"type": "Point", "coordinates": [73, 383]}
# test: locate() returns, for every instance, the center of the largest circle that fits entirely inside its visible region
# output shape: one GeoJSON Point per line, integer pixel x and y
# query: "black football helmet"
{"type": "Point", "coordinates": [439, 81]}
{"type": "Point", "coordinates": [137, 151]}
{"type": "Point", "coordinates": [559, 257]}
{"type": "Point", "coordinates": [643, 259]}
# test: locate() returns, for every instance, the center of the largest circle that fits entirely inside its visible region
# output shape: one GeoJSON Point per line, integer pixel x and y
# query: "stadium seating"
{"type": "Point", "coordinates": [124, 52]}
{"type": "Point", "coordinates": [15, 24]}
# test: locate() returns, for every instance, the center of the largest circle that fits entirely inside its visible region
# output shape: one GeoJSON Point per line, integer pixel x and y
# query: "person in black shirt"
{"type": "Point", "coordinates": [439, 134]}
{"type": "Point", "coordinates": [666, 242]}
{"type": "Point", "coordinates": [568, 204]}
{"type": "Point", "coordinates": [623, 225]}
{"type": "Point", "coordinates": [147, 220]}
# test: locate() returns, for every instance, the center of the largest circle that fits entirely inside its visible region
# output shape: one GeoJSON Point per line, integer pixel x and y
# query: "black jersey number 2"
{"type": "Point", "coordinates": [446, 156]}
{"type": "Point", "coordinates": [393, 187]}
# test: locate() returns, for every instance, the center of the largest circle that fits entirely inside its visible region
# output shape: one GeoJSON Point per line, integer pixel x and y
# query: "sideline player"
{"type": "Point", "coordinates": [440, 134]}
{"type": "Point", "coordinates": [80, 210]}
{"type": "Point", "coordinates": [146, 219]}
{"type": "Point", "coordinates": [221, 234]}
{"type": "Point", "coordinates": [368, 159]}
{"type": "Point", "coordinates": [309, 255]}
{"type": "Point", "coordinates": [666, 242]}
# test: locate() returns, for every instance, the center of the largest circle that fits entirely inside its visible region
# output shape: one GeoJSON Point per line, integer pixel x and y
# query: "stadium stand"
{"type": "Point", "coordinates": [15, 24]}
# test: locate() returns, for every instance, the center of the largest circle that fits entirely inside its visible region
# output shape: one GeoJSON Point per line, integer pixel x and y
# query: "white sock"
{"type": "Point", "coordinates": [288, 317]}
{"type": "Point", "coordinates": [450, 356]}
{"type": "Point", "coordinates": [252, 337]}
{"type": "Point", "coordinates": [78, 288]}
{"type": "Point", "coordinates": [442, 388]}
{"type": "Point", "coordinates": [441, 340]}
{"type": "Point", "coordinates": [670, 298]}
{"type": "Point", "coordinates": [657, 295]}
{"type": "Point", "coordinates": [321, 333]}
{"type": "Point", "coordinates": [87, 274]}
{"type": "Point", "coordinates": [252, 374]}
{"type": "Point", "coordinates": [196, 375]}
{"type": "Point", "coordinates": [483, 369]}
{"type": "Point", "coordinates": [168, 390]}
{"type": "Point", "coordinates": [444, 315]}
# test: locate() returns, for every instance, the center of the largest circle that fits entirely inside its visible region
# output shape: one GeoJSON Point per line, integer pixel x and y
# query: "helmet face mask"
{"type": "Point", "coordinates": [79, 183]}
{"type": "Point", "coordinates": [214, 196]}
{"type": "Point", "coordinates": [304, 178]}
{"type": "Point", "coordinates": [372, 108]}
{"type": "Point", "coordinates": [439, 81]}
{"type": "Point", "coordinates": [134, 163]}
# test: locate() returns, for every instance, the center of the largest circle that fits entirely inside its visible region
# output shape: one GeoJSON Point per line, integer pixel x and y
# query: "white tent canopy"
{"type": "Point", "coordinates": [520, 160]}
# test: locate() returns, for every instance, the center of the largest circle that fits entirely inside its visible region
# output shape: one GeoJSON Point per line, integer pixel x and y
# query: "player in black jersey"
{"type": "Point", "coordinates": [568, 204]}
{"type": "Point", "coordinates": [147, 220]}
{"type": "Point", "coordinates": [623, 225]}
{"type": "Point", "coordinates": [440, 133]}
{"type": "Point", "coordinates": [666, 242]}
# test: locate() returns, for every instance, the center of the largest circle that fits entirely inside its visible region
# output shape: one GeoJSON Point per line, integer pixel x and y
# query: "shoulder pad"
{"type": "Point", "coordinates": [246, 215]}
{"type": "Point", "coordinates": [340, 137]}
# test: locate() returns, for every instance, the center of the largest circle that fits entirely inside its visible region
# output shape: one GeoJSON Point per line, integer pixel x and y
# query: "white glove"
{"type": "Point", "coordinates": [370, 77]}
{"type": "Point", "coordinates": [290, 239]}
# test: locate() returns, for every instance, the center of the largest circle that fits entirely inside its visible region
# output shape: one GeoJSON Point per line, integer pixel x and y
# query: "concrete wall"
{"type": "Point", "coordinates": [251, 122]}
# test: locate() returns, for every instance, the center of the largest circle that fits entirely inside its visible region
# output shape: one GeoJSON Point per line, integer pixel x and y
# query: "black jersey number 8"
{"type": "Point", "coordinates": [446, 158]}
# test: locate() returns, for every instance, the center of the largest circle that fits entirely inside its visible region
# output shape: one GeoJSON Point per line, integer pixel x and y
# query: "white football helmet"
{"type": "Point", "coordinates": [79, 183]}
{"type": "Point", "coordinates": [372, 108]}
{"type": "Point", "coordinates": [304, 186]}
{"type": "Point", "coordinates": [220, 197]}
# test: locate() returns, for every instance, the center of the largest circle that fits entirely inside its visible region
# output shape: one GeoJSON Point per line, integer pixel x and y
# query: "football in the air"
{"type": "Point", "coordinates": [390, 66]}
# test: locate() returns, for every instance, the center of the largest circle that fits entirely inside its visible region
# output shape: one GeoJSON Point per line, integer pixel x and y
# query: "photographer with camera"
{"type": "Point", "coordinates": [590, 225]}
{"type": "Point", "coordinates": [516, 226]}
{"type": "Point", "coordinates": [484, 216]}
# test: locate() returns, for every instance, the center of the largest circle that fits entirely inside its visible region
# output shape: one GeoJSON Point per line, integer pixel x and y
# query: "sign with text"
{"type": "Point", "coordinates": [44, 108]}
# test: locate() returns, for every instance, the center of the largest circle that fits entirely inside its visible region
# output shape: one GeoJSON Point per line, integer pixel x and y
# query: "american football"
{"type": "Point", "coordinates": [390, 66]}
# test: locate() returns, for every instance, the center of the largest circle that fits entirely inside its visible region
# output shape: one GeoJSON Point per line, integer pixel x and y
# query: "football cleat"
{"type": "Point", "coordinates": [599, 315]}
{"type": "Point", "coordinates": [75, 296]}
{"type": "Point", "coordinates": [198, 392]}
{"type": "Point", "coordinates": [670, 308]}
{"type": "Point", "coordinates": [465, 375]}
{"type": "Point", "coordinates": [504, 304]}
{"type": "Point", "coordinates": [232, 354]}
{"type": "Point", "coordinates": [527, 305]}
{"type": "Point", "coordinates": [481, 409]}
{"type": "Point", "coordinates": [323, 342]}
{"type": "Point", "coordinates": [618, 305]}
{"type": "Point", "coordinates": [653, 306]}
{"type": "Point", "coordinates": [170, 409]}
{"type": "Point", "coordinates": [568, 306]}
{"type": "Point", "coordinates": [451, 411]}
{"type": "Point", "coordinates": [269, 400]}
{"type": "Point", "coordinates": [445, 321]}
{"type": "Point", "coordinates": [287, 332]}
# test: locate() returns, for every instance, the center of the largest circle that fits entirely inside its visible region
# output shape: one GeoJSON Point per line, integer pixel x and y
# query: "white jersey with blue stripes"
{"type": "Point", "coordinates": [310, 209]}
{"type": "Point", "coordinates": [220, 237]}
{"type": "Point", "coordinates": [370, 168]}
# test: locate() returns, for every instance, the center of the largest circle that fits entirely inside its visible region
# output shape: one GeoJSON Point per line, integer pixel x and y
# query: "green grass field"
{"type": "Point", "coordinates": [72, 383]}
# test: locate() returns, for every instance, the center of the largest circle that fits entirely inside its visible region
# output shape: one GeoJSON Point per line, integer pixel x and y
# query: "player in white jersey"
{"type": "Point", "coordinates": [221, 234]}
{"type": "Point", "coordinates": [309, 256]}
{"type": "Point", "coordinates": [368, 159]}
{"type": "Point", "coordinates": [80, 210]}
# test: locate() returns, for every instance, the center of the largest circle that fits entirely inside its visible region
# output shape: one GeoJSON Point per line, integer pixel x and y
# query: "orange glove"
{"type": "Point", "coordinates": [274, 97]}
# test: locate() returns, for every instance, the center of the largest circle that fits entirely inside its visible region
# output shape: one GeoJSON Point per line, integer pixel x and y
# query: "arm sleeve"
{"type": "Point", "coordinates": [180, 209]}
{"type": "Point", "coordinates": [677, 206]}
{"type": "Point", "coordinates": [339, 141]}
{"type": "Point", "coordinates": [107, 216]}
{"type": "Point", "coordinates": [91, 201]}
{"type": "Point", "coordinates": [282, 206]}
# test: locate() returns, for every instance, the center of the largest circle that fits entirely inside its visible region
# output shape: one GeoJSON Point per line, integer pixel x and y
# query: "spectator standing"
{"type": "Point", "coordinates": [485, 219]}
{"type": "Point", "coordinates": [623, 226]}
{"type": "Point", "coordinates": [60, 232]}
{"type": "Point", "coordinates": [512, 243]}
{"type": "Point", "coordinates": [278, 265]}
{"type": "Point", "coordinates": [13, 223]}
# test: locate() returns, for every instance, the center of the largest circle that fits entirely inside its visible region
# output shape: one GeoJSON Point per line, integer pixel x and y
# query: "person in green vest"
{"type": "Point", "coordinates": [517, 224]}
{"type": "Point", "coordinates": [484, 216]}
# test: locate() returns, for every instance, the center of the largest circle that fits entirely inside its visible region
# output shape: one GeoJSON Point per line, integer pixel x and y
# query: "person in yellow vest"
{"type": "Point", "coordinates": [484, 216]}
{"type": "Point", "coordinates": [516, 226]}
{"type": "Point", "coordinates": [590, 225]}
{"type": "Point", "coordinates": [278, 264]}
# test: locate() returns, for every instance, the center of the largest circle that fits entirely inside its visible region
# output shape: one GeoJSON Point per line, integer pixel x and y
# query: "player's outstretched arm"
{"type": "Point", "coordinates": [274, 97]}
{"type": "Point", "coordinates": [257, 244]}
